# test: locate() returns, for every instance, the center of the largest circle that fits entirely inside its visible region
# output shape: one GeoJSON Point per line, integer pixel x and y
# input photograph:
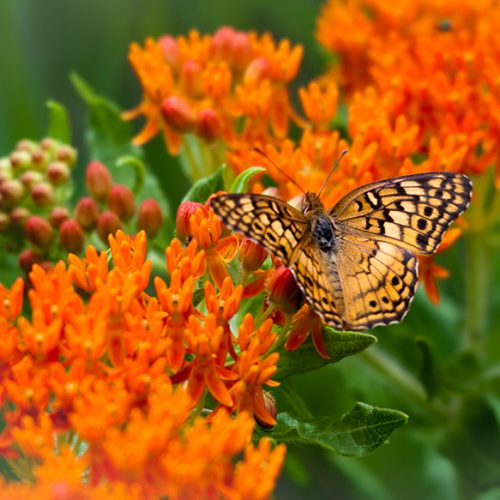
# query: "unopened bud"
{"type": "Point", "coordinates": [257, 70]}
{"type": "Point", "coordinates": [20, 159]}
{"type": "Point", "coordinates": [251, 255]}
{"type": "Point", "coordinates": [42, 194]}
{"type": "Point", "coordinates": [272, 409]}
{"type": "Point", "coordinates": [39, 159]}
{"type": "Point", "coordinates": [71, 236]}
{"type": "Point", "coordinates": [48, 144]}
{"type": "Point", "coordinates": [150, 218]}
{"type": "Point", "coordinates": [27, 258]}
{"type": "Point", "coordinates": [178, 114]}
{"type": "Point", "coordinates": [191, 77]}
{"type": "Point", "coordinates": [19, 216]}
{"type": "Point", "coordinates": [98, 180]}
{"type": "Point", "coordinates": [184, 212]}
{"type": "Point", "coordinates": [31, 178]}
{"type": "Point", "coordinates": [58, 173]}
{"type": "Point", "coordinates": [39, 231]}
{"type": "Point", "coordinates": [107, 224]}
{"type": "Point", "coordinates": [87, 213]}
{"type": "Point", "coordinates": [209, 125]}
{"type": "Point", "coordinates": [58, 216]}
{"type": "Point", "coordinates": [284, 291]}
{"type": "Point", "coordinates": [170, 49]}
{"type": "Point", "coordinates": [121, 202]}
{"type": "Point", "coordinates": [12, 192]}
{"type": "Point", "coordinates": [66, 154]}
{"type": "Point", "coordinates": [27, 145]}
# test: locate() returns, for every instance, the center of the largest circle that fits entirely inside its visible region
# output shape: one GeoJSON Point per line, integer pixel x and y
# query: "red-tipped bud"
{"type": "Point", "coordinates": [179, 114]}
{"type": "Point", "coordinates": [257, 70]}
{"type": "Point", "coordinates": [107, 224]}
{"type": "Point", "coordinates": [150, 218]}
{"type": "Point", "coordinates": [39, 231]}
{"type": "Point", "coordinates": [27, 258]}
{"type": "Point", "coordinates": [39, 158]}
{"type": "Point", "coordinates": [12, 192]}
{"type": "Point", "coordinates": [121, 202]}
{"type": "Point", "coordinates": [27, 145]}
{"type": "Point", "coordinates": [4, 222]}
{"type": "Point", "coordinates": [284, 291]}
{"type": "Point", "coordinates": [71, 236]}
{"type": "Point", "coordinates": [170, 49]}
{"type": "Point", "coordinates": [231, 45]}
{"type": "Point", "coordinates": [251, 255]}
{"type": "Point", "coordinates": [98, 180]}
{"type": "Point", "coordinates": [58, 173]}
{"type": "Point", "coordinates": [58, 216]}
{"type": "Point", "coordinates": [19, 216]}
{"type": "Point", "coordinates": [31, 178]}
{"type": "Point", "coordinates": [184, 212]}
{"type": "Point", "coordinates": [66, 154]}
{"type": "Point", "coordinates": [87, 213]}
{"type": "Point", "coordinates": [20, 159]}
{"type": "Point", "coordinates": [42, 194]}
{"type": "Point", "coordinates": [209, 125]}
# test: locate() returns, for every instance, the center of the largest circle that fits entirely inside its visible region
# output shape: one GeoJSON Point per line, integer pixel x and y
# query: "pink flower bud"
{"type": "Point", "coordinates": [209, 125]}
{"type": "Point", "coordinates": [121, 202]}
{"type": "Point", "coordinates": [178, 114]}
{"type": "Point", "coordinates": [98, 180]}
{"type": "Point", "coordinates": [42, 194]}
{"type": "Point", "coordinates": [232, 46]}
{"type": "Point", "coordinates": [107, 224]}
{"type": "Point", "coordinates": [27, 258]}
{"type": "Point", "coordinates": [87, 213]}
{"type": "Point", "coordinates": [184, 212]}
{"type": "Point", "coordinates": [257, 70]}
{"type": "Point", "coordinates": [284, 291]}
{"type": "Point", "coordinates": [150, 218]}
{"type": "Point", "coordinates": [39, 231]}
{"type": "Point", "coordinates": [58, 216]}
{"type": "Point", "coordinates": [58, 173]}
{"type": "Point", "coordinates": [170, 49]}
{"type": "Point", "coordinates": [71, 236]}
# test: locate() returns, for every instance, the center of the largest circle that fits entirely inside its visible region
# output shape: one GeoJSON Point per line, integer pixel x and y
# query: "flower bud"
{"type": "Point", "coordinates": [31, 178]}
{"type": "Point", "coordinates": [209, 125]}
{"type": "Point", "coordinates": [5, 170]}
{"type": "Point", "coordinates": [42, 194]}
{"type": "Point", "coordinates": [178, 114]}
{"type": "Point", "coordinates": [121, 202]}
{"type": "Point", "coordinates": [48, 144]}
{"type": "Point", "coordinates": [284, 291]}
{"type": "Point", "coordinates": [4, 222]}
{"type": "Point", "coordinates": [257, 70]}
{"type": "Point", "coordinates": [58, 173]}
{"type": "Point", "coordinates": [19, 159]}
{"type": "Point", "coordinates": [191, 77]}
{"type": "Point", "coordinates": [19, 216]}
{"type": "Point", "coordinates": [39, 231]}
{"type": "Point", "coordinates": [71, 236]}
{"type": "Point", "coordinates": [87, 213]}
{"type": "Point", "coordinates": [98, 180]}
{"type": "Point", "coordinates": [271, 407]}
{"type": "Point", "coordinates": [27, 258]}
{"type": "Point", "coordinates": [58, 216]}
{"type": "Point", "coordinates": [107, 224]}
{"type": "Point", "coordinates": [184, 212]}
{"type": "Point", "coordinates": [170, 49]}
{"type": "Point", "coordinates": [27, 145]}
{"type": "Point", "coordinates": [66, 154]}
{"type": "Point", "coordinates": [251, 255]}
{"type": "Point", "coordinates": [12, 192]}
{"type": "Point", "coordinates": [231, 45]}
{"type": "Point", "coordinates": [150, 218]}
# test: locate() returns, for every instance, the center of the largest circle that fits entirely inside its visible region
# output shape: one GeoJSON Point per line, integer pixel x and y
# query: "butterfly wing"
{"type": "Point", "coordinates": [412, 212]}
{"type": "Point", "coordinates": [268, 221]}
{"type": "Point", "coordinates": [378, 281]}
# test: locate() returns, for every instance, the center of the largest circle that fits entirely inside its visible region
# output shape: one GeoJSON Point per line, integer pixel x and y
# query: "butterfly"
{"type": "Point", "coordinates": [356, 264]}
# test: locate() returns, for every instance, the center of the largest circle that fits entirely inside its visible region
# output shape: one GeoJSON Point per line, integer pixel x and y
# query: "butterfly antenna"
{"type": "Point", "coordinates": [331, 171]}
{"type": "Point", "coordinates": [258, 150]}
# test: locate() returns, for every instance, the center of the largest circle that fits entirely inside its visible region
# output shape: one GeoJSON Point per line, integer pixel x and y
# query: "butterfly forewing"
{"type": "Point", "coordinates": [412, 211]}
{"type": "Point", "coordinates": [270, 222]}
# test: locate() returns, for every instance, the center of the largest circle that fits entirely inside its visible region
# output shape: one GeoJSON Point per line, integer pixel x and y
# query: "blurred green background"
{"type": "Point", "coordinates": [42, 41]}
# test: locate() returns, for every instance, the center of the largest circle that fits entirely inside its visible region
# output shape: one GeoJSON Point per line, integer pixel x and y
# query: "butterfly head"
{"type": "Point", "coordinates": [311, 204]}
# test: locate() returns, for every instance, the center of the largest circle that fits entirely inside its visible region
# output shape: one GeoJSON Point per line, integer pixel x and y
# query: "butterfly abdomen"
{"type": "Point", "coordinates": [323, 233]}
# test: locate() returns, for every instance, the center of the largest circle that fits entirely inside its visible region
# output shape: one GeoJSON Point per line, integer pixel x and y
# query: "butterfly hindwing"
{"type": "Point", "coordinates": [412, 212]}
{"type": "Point", "coordinates": [268, 221]}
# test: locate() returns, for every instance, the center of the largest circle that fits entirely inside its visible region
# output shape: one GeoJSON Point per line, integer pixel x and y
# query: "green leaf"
{"type": "Point", "coordinates": [355, 434]}
{"type": "Point", "coordinates": [241, 182]}
{"type": "Point", "coordinates": [429, 372]}
{"type": "Point", "coordinates": [109, 136]}
{"type": "Point", "coordinates": [138, 168]}
{"type": "Point", "coordinates": [306, 358]}
{"type": "Point", "coordinates": [59, 126]}
{"type": "Point", "coordinates": [203, 188]}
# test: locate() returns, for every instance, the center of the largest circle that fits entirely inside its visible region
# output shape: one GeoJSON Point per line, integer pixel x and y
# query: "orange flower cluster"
{"type": "Point", "coordinates": [107, 396]}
